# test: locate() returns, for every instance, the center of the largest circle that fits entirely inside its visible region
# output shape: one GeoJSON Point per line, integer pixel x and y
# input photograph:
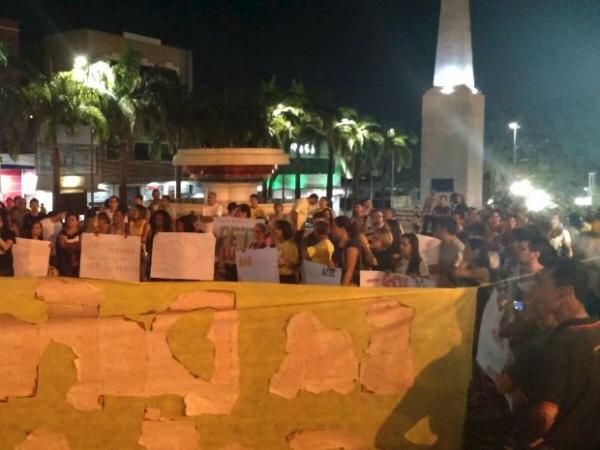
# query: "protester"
{"type": "Point", "coordinates": [243, 211]}
{"type": "Point", "coordinates": [113, 205]}
{"type": "Point", "coordinates": [118, 225]}
{"type": "Point", "coordinates": [7, 240]}
{"type": "Point", "coordinates": [451, 253]}
{"type": "Point", "coordinates": [52, 226]}
{"type": "Point", "coordinates": [137, 221]}
{"type": "Point", "coordinates": [33, 215]}
{"type": "Point", "coordinates": [160, 222]}
{"type": "Point", "coordinates": [102, 223]}
{"type": "Point", "coordinates": [346, 255]}
{"type": "Point", "coordinates": [89, 221]}
{"type": "Point", "coordinates": [411, 262]}
{"type": "Point", "coordinates": [69, 247]}
{"type": "Point", "coordinates": [154, 204]}
{"type": "Point", "coordinates": [210, 210]}
{"type": "Point", "coordinates": [261, 237]}
{"type": "Point", "coordinates": [35, 232]}
{"type": "Point", "coordinates": [562, 390]}
{"type": "Point", "coordinates": [475, 268]}
{"type": "Point", "coordinates": [278, 214]}
{"type": "Point", "coordinates": [322, 251]}
{"type": "Point", "coordinates": [302, 209]}
{"type": "Point", "coordinates": [559, 237]}
{"type": "Point", "coordinates": [256, 212]}
{"type": "Point", "coordinates": [288, 259]}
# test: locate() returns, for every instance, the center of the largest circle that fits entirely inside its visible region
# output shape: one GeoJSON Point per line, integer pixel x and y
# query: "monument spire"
{"type": "Point", "coordinates": [454, 57]}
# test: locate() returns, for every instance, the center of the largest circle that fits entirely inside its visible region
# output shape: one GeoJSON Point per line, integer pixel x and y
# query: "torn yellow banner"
{"type": "Point", "coordinates": [236, 365]}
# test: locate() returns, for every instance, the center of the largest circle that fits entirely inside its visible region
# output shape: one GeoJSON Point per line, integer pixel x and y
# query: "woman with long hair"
{"type": "Point", "coordinates": [160, 221]}
{"type": "Point", "coordinates": [411, 261]}
{"type": "Point", "coordinates": [7, 240]}
{"type": "Point", "coordinates": [35, 231]}
{"type": "Point", "coordinates": [346, 254]}
{"type": "Point", "coordinates": [68, 247]}
{"type": "Point", "coordinates": [475, 268]}
{"type": "Point", "coordinates": [289, 256]}
{"type": "Point", "coordinates": [137, 220]}
{"type": "Point", "coordinates": [261, 237]}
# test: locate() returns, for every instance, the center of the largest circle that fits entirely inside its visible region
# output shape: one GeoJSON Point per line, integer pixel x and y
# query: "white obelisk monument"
{"type": "Point", "coordinates": [453, 113]}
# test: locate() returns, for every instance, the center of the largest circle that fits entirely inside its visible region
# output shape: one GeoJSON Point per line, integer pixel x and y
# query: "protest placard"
{"type": "Point", "coordinates": [183, 256]}
{"type": "Point", "coordinates": [259, 265]}
{"type": "Point", "coordinates": [31, 257]}
{"type": "Point", "coordinates": [493, 351]}
{"type": "Point", "coordinates": [373, 278]}
{"type": "Point", "coordinates": [110, 257]}
{"type": "Point", "coordinates": [233, 234]}
{"type": "Point", "coordinates": [315, 273]}
{"type": "Point", "coordinates": [429, 248]}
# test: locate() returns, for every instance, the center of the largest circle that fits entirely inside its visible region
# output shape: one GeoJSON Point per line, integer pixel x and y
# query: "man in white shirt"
{"type": "Point", "coordinates": [210, 210]}
{"type": "Point", "coordinates": [51, 227]}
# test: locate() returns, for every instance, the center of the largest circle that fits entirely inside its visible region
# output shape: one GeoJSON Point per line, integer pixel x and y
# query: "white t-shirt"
{"type": "Point", "coordinates": [50, 230]}
{"type": "Point", "coordinates": [215, 210]}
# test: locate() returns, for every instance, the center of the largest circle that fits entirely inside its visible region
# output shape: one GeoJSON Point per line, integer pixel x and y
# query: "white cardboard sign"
{"type": "Point", "coordinates": [493, 351]}
{"type": "Point", "coordinates": [258, 265]}
{"type": "Point", "coordinates": [315, 273]}
{"type": "Point", "coordinates": [31, 257]}
{"type": "Point", "coordinates": [234, 235]}
{"type": "Point", "coordinates": [429, 248]}
{"type": "Point", "coordinates": [373, 278]}
{"type": "Point", "coordinates": [110, 257]}
{"type": "Point", "coordinates": [183, 256]}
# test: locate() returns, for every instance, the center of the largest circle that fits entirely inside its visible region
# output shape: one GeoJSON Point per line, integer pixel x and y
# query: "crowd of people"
{"type": "Point", "coordinates": [477, 246]}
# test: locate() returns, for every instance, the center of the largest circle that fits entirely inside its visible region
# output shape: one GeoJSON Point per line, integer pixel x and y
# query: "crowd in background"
{"type": "Point", "coordinates": [477, 246]}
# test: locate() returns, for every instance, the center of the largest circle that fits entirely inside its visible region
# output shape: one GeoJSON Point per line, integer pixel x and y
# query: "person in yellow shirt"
{"type": "Point", "coordinates": [256, 211]}
{"type": "Point", "coordinates": [322, 251]}
{"type": "Point", "coordinates": [288, 252]}
{"type": "Point", "coordinates": [301, 210]}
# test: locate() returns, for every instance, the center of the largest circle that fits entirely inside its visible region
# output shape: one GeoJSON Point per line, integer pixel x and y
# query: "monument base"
{"type": "Point", "coordinates": [238, 191]}
{"type": "Point", "coordinates": [452, 143]}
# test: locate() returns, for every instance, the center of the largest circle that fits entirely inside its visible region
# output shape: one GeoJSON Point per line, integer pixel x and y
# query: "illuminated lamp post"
{"type": "Point", "coordinates": [515, 127]}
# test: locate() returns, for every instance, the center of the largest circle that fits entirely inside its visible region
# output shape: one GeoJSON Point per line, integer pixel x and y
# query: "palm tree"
{"type": "Point", "coordinates": [62, 101]}
{"type": "Point", "coordinates": [123, 109]}
{"type": "Point", "coordinates": [358, 135]}
{"type": "Point", "coordinates": [14, 114]}
{"type": "Point", "coordinates": [292, 118]}
{"type": "Point", "coordinates": [395, 154]}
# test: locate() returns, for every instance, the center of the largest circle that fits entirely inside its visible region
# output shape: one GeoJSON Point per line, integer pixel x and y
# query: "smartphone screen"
{"type": "Point", "coordinates": [518, 305]}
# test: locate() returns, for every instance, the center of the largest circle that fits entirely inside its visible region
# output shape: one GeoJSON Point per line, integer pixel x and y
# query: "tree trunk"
{"type": "Point", "coordinates": [270, 186]}
{"type": "Point", "coordinates": [178, 173]}
{"type": "Point", "coordinates": [298, 190]}
{"type": "Point", "coordinates": [55, 159]}
{"type": "Point", "coordinates": [123, 167]}
{"type": "Point", "coordinates": [178, 170]}
{"type": "Point", "coordinates": [355, 164]}
{"type": "Point", "coordinates": [330, 172]}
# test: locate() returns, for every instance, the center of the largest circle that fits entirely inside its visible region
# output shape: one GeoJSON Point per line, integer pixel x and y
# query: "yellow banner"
{"type": "Point", "coordinates": [106, 365]}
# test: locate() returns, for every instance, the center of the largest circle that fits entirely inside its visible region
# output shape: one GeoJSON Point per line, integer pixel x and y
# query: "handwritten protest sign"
{"type": "Point", "coordinates": [373, 278]}
{"type": "Point", "coordinates": [315, 273]}
{"type": "Point", "coordinates": [233, 234]}
{"type": "Point", "coordinates": [30, 257]}
{"type": "Point", "coordinates": [258, 265]}
{"type": "Point", "coordinates": [493, 351]}
{"type": "Point", "coordinates": [110, 257]}
{"type": "Point", "coordinates": [183, 256]}
{"type": "Point", "coordinates": [429, 248]}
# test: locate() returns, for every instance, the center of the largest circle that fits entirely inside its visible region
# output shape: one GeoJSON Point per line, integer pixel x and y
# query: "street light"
{"type": "Point", "coordinates": [514, 126]}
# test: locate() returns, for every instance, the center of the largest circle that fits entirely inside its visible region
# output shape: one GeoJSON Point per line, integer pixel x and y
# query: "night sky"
{"type": "Point", "coordinates": [374, 55]}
